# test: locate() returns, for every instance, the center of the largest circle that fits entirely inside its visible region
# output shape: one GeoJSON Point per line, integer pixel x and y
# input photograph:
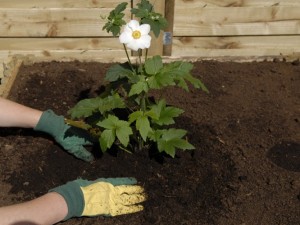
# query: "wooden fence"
{"type": "Point", "coordinates": [242, 28]}
{"type": "Point", "coordinates": [72, 29]}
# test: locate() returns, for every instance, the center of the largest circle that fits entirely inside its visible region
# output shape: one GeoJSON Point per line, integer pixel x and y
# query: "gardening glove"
{"type": "Point", "coordinates": [70, 138]}
{"type": "Point", "coordinates": [107, 197]}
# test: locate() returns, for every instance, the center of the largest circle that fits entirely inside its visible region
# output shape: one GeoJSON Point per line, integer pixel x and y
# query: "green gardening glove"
{"type": "Point", "coordinates": [107, 197]}
{"type": "Point", "coordinates": [70, 138]}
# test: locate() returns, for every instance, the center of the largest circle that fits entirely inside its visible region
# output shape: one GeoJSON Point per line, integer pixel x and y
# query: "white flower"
{"type": "Point", "coordinates": [136, 36]}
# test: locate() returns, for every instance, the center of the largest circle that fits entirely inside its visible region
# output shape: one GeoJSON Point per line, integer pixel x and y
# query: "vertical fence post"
{"type": "Point", "coordinates": [168, 35]}
{"type": "Point", "coordinates": [157, 42]}
{"type": "Point", "coordinates": [156, 47]}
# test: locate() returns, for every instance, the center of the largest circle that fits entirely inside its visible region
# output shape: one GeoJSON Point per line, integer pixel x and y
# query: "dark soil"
{"type": "Point", "coordinates": [245, 169]}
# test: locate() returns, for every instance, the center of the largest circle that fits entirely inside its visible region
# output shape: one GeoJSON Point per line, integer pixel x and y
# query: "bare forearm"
{"type": "Point", "coordinates": [48, 209]}
{"type": "Point", "coordinates": [16, 115]}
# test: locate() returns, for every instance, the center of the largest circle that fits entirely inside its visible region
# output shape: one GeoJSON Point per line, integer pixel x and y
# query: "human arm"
{"type": "Point", "coordinates": [108, 197]}
{"type": "Point", "coordinates": [13, 114]}
{"type": "Point", "coordinates": [47, 209]}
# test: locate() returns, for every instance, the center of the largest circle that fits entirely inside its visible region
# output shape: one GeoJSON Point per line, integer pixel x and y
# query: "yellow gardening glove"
{"type": "Point", "coordinates": [103, 198]}
{"type": "Point", "coordinates": [108, 197]}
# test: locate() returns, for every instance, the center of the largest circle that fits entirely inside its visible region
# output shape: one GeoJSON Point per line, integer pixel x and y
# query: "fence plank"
{"type": "Point", "coordinates": [64, 55]}
{"type": "Point", "coordinates": [235, 3]}
{"type": "Point", "coordinates": [201, 28]}
{"type": "Point", "coordinates": [60, 3]}
{"type": "Point", "coordinates": [236, 21]}
{"type": "Point", "coordinates": [236, 46]}
{"type": "Point", "coordinates": [56, 22]}
{"type": "Point", "coordinates": [105, 44]}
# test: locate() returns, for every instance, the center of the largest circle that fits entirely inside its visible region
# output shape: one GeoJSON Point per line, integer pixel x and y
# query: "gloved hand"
{"type": "Point", "coordinates": [70, 138]}
{"type": "Point", "coordinates": [108, 197]}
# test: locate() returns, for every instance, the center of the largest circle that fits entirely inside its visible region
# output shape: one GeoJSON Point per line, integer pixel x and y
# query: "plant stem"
{"type": "Point", "coordinates": [140, 56]}
{"type": "Point", "coordinates": [146, 54]}
{"type": "Point", "coordinates": [141, 143]}
{"type": "Point", "coordinates": [143, 102]}
{"type": "Point", "coordinates": [129, 61]}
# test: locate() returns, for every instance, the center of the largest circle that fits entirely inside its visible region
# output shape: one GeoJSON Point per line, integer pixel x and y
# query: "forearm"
{"type": "Point", "coordinates": [13, 114]}
{"type": "Point", "coordinates": [47, 209]}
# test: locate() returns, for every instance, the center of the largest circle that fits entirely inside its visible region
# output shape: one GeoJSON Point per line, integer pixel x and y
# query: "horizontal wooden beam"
{"type": "Point", "coordinates": [83, 44]}
{"type": "Point", "coordinates": [220, 21]}
{"type": "Point", "coordinates": [235, 3]}
{"type": "Point", "coordinates": [63, 55]}
{"type": "Point", "coordinates": [54, 22]}
{"type": "Point", "coordinates": [60, 3]}
{"type": "Point", "coordinates": [236, 46]}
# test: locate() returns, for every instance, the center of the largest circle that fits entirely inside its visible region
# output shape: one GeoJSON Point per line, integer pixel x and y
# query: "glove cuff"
{"type": "Point", "coordinates": [50, 123]}
{"type": "Point", "coordinates": [73, 196]}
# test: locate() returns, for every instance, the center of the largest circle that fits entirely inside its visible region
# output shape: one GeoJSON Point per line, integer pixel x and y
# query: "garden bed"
{"type": "Point", "coordinates": [245, 168]}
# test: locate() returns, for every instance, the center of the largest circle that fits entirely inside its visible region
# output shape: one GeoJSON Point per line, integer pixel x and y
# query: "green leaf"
{"type": "Point", "coordinates": [152, 114]}
{"type": "Point", "coordinates": [171, 139]}
{"type": "Point", "coordinates": [140, 13]}
{"type": "Point", "coordinates": [135, 115]}
{"type": "Point", "coordinates": [109, 123]}
{"type": "Point", "coordinates": [178, 69]}
{"type": "Point", "coordinates": [154, 24]}
{"type": "Point", "coordinates": [85, 108]}
{"type": "Point", "coordinates": [142, 122]}
{"type": "Point", "coordinates": [173, 133]}
{"type": "Point", "coordinates": [138, 88]}
{"type": "Point", "coordinates": [165, 113]}
{"type": "Point", "coordinates": [120, 8]}
{"type": "Point", "coordinates": [117, 127]}
{"type": "Point", "coordinates": [181, 83]}
{"type": "Point", "coordinates": [115, 19]}
{"type": "Point", "coordinates": [155, 135]}
{"type": "Point", "coordinates": [111, 102]}
{"type": "Point", "coordinates": [143, 126]}
{"type": "Point", "coordinates": [165, 80]}
{"type": "Point", "coordinates": [161, 77]}
{"type": "Point", "coordinates": [153, 65]}
{"type": "Point", "coordinates": [145, 11]}
{"type": "Point", "coordinates": [196, 82]}
{"type": "Point", "coordinates": [146, 5]}
{"type": "Point", "coordinates": [164, 146]}
{"type": "Point", "coordinates": [123, 131]}
{"type": "Point", "coordinates": [116, 72]}
{"type": "Point", "coordinates": [107, 139]}
{"type": "Point", "coordinates": [182, 144]}
{"type": "Point", "coordinates": [153, 83]}
{"type": "Point", "coordinates": [180, 72]}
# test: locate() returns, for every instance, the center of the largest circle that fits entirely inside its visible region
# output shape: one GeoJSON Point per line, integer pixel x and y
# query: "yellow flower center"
{"type": "Point", "coordinates": [136, 34]}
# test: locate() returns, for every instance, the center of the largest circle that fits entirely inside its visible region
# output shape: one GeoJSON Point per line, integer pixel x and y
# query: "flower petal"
{"type": "Point", "coordinates": [125, 37]}
{"type": "Point", "coordinates": [133, 25]}
{"type": "Point", "coordinates": [136, 42]}
{"type": "Point", "coordinates": [133, 46]}
{"type": "Point", "coordinates": [144, 29]}
{"type": "Point", "coordinates": [144, 42]}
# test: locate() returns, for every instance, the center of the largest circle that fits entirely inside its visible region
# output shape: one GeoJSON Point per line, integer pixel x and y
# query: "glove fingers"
{"type": "Point", "coordinates": [119, 181]}
{"type": "Point", "coordinates": [132, 199]}
{"type": "Point", "coordinates": [71, 131]}
{"type": "Point", "coordinates": [129, 189]}
{"type": "Point", "coordinates": [126, 210]}
{"type": "Point", "coordinates": [113, 181]}
{"type": "Point", "coordinates": [81, 153]}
